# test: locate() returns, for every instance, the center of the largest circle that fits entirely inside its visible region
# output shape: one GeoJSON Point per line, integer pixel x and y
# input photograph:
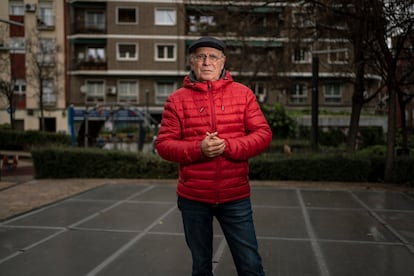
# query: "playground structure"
{"type": "Point", "coordinates": [99, 125]}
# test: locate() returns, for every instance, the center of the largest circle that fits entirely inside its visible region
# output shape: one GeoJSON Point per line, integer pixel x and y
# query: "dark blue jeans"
{"type": "Point", "coordinates": [236, 221]}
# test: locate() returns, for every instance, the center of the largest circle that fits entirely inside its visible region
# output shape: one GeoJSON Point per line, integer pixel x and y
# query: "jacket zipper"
{"type": "Point", "coordinates": [214, 128]}
{"type": "Point", "coordinates": [213, 109]}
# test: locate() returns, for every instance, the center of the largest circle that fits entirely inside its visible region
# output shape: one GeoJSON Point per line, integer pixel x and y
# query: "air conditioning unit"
{"type": "Point", "coordinates": [83, 89]}
{"type": "Point", "coordinates": [111, 90]}
{"type": "Point", "coordinates": [30, 7]}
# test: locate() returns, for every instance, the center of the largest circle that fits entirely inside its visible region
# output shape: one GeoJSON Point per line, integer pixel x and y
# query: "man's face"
{"type": "Point", "coordinates": [207, 63]}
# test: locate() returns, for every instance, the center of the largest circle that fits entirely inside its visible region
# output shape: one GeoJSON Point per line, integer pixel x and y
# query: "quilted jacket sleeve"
{"type": "Point", "coordinates": [258, 134]}
{"type": "Point", "coordinates": [169, 143]}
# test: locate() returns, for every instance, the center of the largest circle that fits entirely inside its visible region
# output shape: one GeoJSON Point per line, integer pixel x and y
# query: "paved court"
{"type": "Point", "coordinates": [135, 229]}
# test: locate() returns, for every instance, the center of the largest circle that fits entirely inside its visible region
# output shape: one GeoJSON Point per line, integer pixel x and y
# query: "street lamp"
{"type": "Point", "coordinates": [315, 102]}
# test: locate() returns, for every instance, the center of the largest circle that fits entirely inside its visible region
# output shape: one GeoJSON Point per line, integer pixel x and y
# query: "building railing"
{"type": "Point", "coordinates": [90, 65]}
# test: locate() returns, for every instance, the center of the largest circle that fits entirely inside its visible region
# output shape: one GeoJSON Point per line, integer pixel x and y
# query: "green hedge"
{"type": "Point", "coordinates": [71, 162]}
{"type": "Point", "coordinates": [61, 162]}
{"type": "Point", "coordinates": [352, 168]}
{"type": "Point", "coordinates": [24, 140]}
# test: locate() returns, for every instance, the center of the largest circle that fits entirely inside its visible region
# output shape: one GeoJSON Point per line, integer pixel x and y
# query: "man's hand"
{"type": "Point", "coordinates": [212, 145]}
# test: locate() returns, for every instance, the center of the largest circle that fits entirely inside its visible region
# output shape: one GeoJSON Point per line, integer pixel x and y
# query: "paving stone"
{"type": "Point", "coordinates": [71, 253]}
{"type": "Point", "coordinates": [127, 217]}
{"type": "Point", "coordinates": [349, 225]}
{"type": "Point", "coordinates": [14, 240]}
{"type": "Point", "coordinates": [330, 199]}
{"type": "Point", "coordinates": [359, 259]}
{"type": "Point", "coordinates": [386, 200]}
{"type": "Point", "coordinates": [136, 229]}
{"type": "Point", "coordinates": [61, 215]}
{"type": "Point", "coordinates": [402, 222]}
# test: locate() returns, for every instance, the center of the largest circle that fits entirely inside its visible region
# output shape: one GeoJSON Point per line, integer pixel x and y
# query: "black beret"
{"type": "Point", "coordinates": [207, 42]}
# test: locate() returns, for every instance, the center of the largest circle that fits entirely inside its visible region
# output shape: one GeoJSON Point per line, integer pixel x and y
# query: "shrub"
{"type": "Point", "coordinates": [332, 137]}
{"type": "Point", "coordinates": [23, 140]}
{"type": "Point", "coordinates": [297, 146]}
{"type": "Point", "coordinates": [376, 150]}
{"type": "Point", "coordinates": [66, 162]}
{"type": "Point", "coordinates": [309, 168]}
{"type": "Point", "coordinates": [282, 125]}
{"type": "Point", "coordinates": [370, 136]}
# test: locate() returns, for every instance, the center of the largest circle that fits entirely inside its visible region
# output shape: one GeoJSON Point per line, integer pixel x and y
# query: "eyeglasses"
{"type": "Point", "coordinates": [203, 57]}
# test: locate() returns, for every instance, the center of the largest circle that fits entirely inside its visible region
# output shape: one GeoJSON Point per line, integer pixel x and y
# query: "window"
{"type": "Point", "coordinates": [46, 51]}
{"type": "Point", "coordinates": [338, 57]}
{"type": "Point", "coordinates": [47, 45]}
{"type": "Point", "coordinates": [165, 16]}
{"type": "Point", "coordinates": [333, 93]}
{"type": "Point", "coordinates": [301, 55]}
{"type": "Point", "coordinates": [127, 91]}
{"type": "Point", "coordinates": [338, 19]}
{"type": "Point", "coordinates": [127, 15]}
{"type": "Point", "coordinates": [95, 20]}
{"type": "Point", "coordinates": [45, 15]}
{"type": "Point", "coordinates": [302, 20]}
{"type": "Point", "coordinates": [201, 23]}
{"type": "Point", "coordinates": [165, 52]}
{"type": "Point", "coordinates": [19, 87]}
{"type": "Point", "coordinates": [47, 86]}
{"type": "Point", "coordinates": [95, 90]}
{"type": "Point", "coordinates": [95, 54]}
{"type": "Point", "coordinates": [298, 94]}
{"type": "Point", "coordinates": [164, 89]}
{"type": "Point", "coordinates": [127, 51]}
{"type": "Point", "coordinates": [260, 91]}
{"type": "Point", "coordinates": [17, 44]}
{"type": "Point", "coordinates": [48, 89]}
{"type": "Point", "coordinates": [16, 8]}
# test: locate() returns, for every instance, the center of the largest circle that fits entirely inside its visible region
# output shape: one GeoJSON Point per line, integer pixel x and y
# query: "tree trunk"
{"type": "Point", "coordinates": [389, 161]}
{"type": "Point", "coordinates": [42, 116]}
{"type": "Point", "coordinates": [41, 107]}
{"type": "Point", "coordinates": [357, 99]}
{"type": "Point", "coordinates": [354, 126]}
{"type": "Point", "coordinates": [11, 118]}
{"type": "Point", "coordinates": [10, 98]}
{"type": "Point", "coordinates": [403, 120]}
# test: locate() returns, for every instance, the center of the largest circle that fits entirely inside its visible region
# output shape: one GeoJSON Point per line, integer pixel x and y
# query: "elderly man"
{"type": "Point", "coordinates": [211, 127]}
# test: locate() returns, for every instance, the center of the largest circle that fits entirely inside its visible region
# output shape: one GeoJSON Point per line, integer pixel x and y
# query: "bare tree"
{"type": "Point", "coordinates": [252, 31]}
{"type": "Point", "coordinates": [346, 20]}
{"type": "Point", "coordinates": [42, 69]}
{"type": "Point", "coordinates": [393, 24]}
{"type": "Point", "coordinates": [6, 78]}
{"type": "Point", "coordinates": [6, 90]}
{"type": "Point", "coordinates": [371, 27]}
{"type": "Point", "coordinates": [405, 73]}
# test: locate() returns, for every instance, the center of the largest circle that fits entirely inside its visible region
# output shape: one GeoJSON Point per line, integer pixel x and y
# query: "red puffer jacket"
{"type": "Point", "coordinates": [227, 107]}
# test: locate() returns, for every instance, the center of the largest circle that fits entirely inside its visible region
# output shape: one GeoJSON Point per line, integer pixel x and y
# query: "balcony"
{"type": "Point", "coordinates": [96, 29]}
{"type": "Point", "coordinates": [94, 99]}
{"type": "Point", "coordinates": [90, 20]}
{"type": "Point", "coordinates": [90, 65]}
{"type": "Point", "coordinates": [90, 54]}
{"type": "Point", "coordinates": [46, 23]}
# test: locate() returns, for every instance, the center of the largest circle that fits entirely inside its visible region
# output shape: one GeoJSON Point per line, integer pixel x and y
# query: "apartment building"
{"type": "Point", "coordinates": [32, 64]}
{"type": "Point", "coordinates": [132, 54]}
{"type": "Point", "coordinates": [123, 58]}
